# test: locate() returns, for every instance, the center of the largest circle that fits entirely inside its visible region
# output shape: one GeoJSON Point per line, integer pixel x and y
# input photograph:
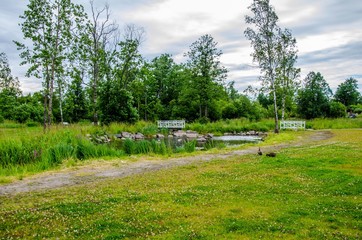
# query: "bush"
{"type": "Point", "coordinates": [32, 124]}
{"type": "Point", "coordinates": [190, 146]}
{"type": "Point", "coordinates": [336, 110]}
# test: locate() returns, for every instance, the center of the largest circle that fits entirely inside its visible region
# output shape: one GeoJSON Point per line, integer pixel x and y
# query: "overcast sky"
{"type": "Point", "coordinates": [328, 33]}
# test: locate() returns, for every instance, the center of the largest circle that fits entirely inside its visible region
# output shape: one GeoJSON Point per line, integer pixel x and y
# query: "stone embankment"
{"type": "Point", "coordinates": [179, 136]}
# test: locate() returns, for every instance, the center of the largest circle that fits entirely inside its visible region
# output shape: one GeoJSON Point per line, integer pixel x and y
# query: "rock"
{"type": "Point", "coordinates": [160, 136]}
{"type": "Point", "coordinates": [118, 136]}
{"type": "Point", "coordinates": [126, 135]}
{"type": "Point", "coordinates": [192, 135]}
{"type": "Point", "coordinates": [139, 136]}
{"type": "Point", "coordinates": [209, 136]}
{"type": "Point", "coordinates": [179, 134]}
{"type": "Point", "coordinates": [201, 140]}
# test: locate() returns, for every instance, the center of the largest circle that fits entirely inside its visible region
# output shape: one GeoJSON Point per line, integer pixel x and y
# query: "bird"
{"type": "Point", "coordinates": [260, 152]}
{"type": "Point", "coordinates": [271, 154]}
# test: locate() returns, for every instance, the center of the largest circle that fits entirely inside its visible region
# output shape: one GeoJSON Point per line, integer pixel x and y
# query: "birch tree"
{"type": "Point", "coordinates": [264, 37]}
{"type": "Point", "coordinates": [287, 74]}
{"type": "Point", "coordinates": [47, 29]}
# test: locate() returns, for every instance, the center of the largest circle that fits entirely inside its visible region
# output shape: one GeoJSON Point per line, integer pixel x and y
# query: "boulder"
{"type": "Point", "coordinates": [139, 136]}
{"type": "Point", "coordinates": [192, 135]}
{"type": "Point", "coordinates": [179, 134]}
{"type": "Point", "coordinates": [160, 136]}
{"type": "Point", "coordinates": [126, 135]}
{"type": "Point", "coordinates": [118, 136]}
{"type": "Point", "coordinates": [209, 136]}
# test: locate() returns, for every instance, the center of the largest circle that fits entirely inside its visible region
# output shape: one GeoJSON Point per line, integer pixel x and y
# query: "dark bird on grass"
{"type": "Point", "coordinates": [260, 152]}
{"type": "Point", "coordinates": [271, 154]}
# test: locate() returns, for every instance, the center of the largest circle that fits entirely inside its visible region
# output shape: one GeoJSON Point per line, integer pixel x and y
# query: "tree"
{"type": "Point", "coordinates": [128, 61]}
{"type": "Point", "coordinates": [48, 25]}
{"type": "Point", "coordinates": [162, 86]}
{"type": "Point", "coordinates": [98, 45]}
{"type": "Point", "coordinates": [207, 73]}
{"type": "Point", "coordinates": [75, 100]}
{"type": "Point", "coordinates": [347, 92]}
{"type": "Point", "coordinates": [9, 89]}
{"type": "Point", "coordinates": [313, 98]}
{"type": "Point", "coordinates": [336, 110]}
{"type": "Point", "coordinates": [287, 74]}
{"type": "Point", "coordinates": [117, 104]}
{"type": "Point", "coordinates": [265, 40]}
{"type": "Point", "coordinates": [7, 81]}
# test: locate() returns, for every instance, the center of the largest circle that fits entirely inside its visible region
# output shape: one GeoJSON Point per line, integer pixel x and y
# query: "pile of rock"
{"type": "Point", "coordinates": [127, 135]}
{"type": "Point", "coordinates": [249, 133]}
{"type": "Point", "coordinates": [191, 135]}
{"type": "Point", "coordinates": [99, 139]}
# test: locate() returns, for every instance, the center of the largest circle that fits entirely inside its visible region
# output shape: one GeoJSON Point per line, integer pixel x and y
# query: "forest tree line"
{"type": "Point", "coordinates": [92, 71]}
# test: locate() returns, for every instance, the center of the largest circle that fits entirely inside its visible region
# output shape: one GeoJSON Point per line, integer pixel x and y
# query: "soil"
{"type": "Point", "coordinates": [119, 169]}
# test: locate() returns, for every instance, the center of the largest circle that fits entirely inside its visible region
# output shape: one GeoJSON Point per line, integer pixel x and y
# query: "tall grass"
{"type": "Point", "coordinates": [339, 123]}
{"type": "Point", "coordinates": [232, 126]}
{"type": "Point", "coordinates": [27, 149]}
{"type": "Point", "coordinates": [45, 151]}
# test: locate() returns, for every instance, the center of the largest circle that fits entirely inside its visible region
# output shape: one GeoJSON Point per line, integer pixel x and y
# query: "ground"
{"type": "Point", "coordinates": [121, 168]}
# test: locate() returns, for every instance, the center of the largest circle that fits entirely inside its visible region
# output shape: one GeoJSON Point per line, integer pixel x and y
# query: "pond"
{"type": "Point", "coordinates": [236, 139]}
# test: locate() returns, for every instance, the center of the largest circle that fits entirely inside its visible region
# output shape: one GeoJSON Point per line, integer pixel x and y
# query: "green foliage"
{"type": "Point", "coordinates": [356, 108]}
{"type": "Point", "coordinates": [347, 92]}
{"type": "Point", "coordinates": [340, 123]}
{"type": "Point", "coordinates": [207, 73]}
{"type": "Point", "coordinates": [300, 194]}
{"type": "Point", "coordinates": [313, 98]}
{"type": "Point", "coordinates": [336, 110]}
{"type": "Point", "coordinates": [48, 28]}
{"type": "Point", "coordinates": [75, 106]}
{"type": "Point", "coordinates": [231, 126]}
{"type": "Point", "coordinates": [117, 104]}
{"type": "Point", "coordinates": [190, 146]}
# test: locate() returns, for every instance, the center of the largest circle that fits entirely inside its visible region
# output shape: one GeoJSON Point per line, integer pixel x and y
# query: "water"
{"type": "Point", "coordinates": [236, 140]}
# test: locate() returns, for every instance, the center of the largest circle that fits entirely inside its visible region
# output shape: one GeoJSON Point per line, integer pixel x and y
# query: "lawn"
{"type": "Point", "coordinates": [312, 191]}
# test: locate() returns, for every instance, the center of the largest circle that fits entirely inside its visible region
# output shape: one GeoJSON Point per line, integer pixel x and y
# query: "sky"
{"type": "Point", "coordinates": [328, 34]}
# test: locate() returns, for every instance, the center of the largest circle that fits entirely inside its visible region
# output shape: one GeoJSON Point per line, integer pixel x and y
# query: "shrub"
{"type": "Point", "coordinates": [336, 110]}
{"type": "Point", "coordinates": [129, 146]}
{"type": "Point", "coordinates": [190, 146]}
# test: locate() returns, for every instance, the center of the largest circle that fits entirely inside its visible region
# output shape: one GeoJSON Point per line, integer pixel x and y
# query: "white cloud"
{"type": "Point", "coordinates": [327, 32]}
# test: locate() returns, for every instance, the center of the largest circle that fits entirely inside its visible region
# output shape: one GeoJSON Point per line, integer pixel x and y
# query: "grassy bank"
{"type": "Point", "coordinates": [306, 192]}
{"type": "Point", "coordinates": [27, 150]}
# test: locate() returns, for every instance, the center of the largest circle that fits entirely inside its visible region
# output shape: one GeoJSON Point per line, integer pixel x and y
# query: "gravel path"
{"type": "Point", "coordinates": [88, 174]}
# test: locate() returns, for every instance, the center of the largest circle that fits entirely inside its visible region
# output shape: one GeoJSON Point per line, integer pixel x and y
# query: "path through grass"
{"type": "Point", "coordinates": [306, 192]}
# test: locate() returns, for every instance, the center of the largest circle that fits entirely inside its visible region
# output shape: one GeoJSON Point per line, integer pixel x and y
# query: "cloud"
{"type": "Point", "coordinates": [328, 33]}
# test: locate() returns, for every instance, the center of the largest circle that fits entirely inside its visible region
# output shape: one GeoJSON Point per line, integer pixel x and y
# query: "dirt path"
{"type": "Point", "coordinates": [88, 174]}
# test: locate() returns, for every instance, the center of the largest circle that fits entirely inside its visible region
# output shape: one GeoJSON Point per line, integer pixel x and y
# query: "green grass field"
{"type": "Point", "coordinates": [307, 192]}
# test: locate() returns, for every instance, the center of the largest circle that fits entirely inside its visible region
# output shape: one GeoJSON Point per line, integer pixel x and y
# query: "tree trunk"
{"type": "Point", "coordinates": [45, 110]}
{"type": "Point", "coordinates": [94, 100]}
{"type": "Point", "coordinates": [276, 129]}
{"type": "Point", "coordinates": [61, 104]}
{"type": "Point", "coordinates": [283, 107]}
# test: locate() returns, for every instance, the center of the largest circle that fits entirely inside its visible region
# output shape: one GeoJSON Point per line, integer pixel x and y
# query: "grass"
{"type": "Point", "coordinates": [340, 123]}
{"type": "Point", "coordinates": [27, 150]}
{"type": "Point", "coordinates": [307, 192]}
{"type": "Point", "coordinates": [232, 126]}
